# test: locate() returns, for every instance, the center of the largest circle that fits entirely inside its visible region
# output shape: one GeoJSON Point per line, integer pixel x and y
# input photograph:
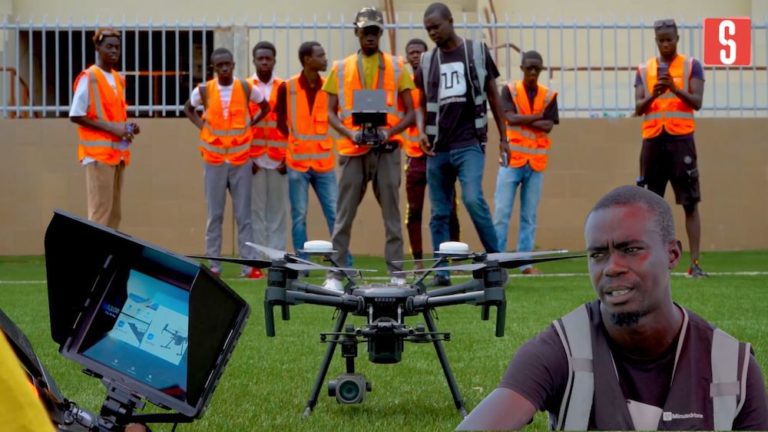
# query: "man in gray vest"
{"type": "Point", "coordinates": [456, 80]}
{"type": "Point", "coordinates": [632, 359]}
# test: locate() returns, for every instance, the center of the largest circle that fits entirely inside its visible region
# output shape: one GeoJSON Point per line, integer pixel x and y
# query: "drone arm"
{"type": "Point", "coordinates": [472, 285]}
{"type": "Point", "coordinates": [420, 302]}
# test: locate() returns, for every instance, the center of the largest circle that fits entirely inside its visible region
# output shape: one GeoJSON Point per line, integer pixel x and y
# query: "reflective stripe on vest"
{"type": "Point", "coordinates": [225, 150]}
{"type": "Point", "coordinates": [575, 334]}
{"type": "Point", "coordinates": [310, 156]}
{"type": "Point", "coordinates": [725, 386]}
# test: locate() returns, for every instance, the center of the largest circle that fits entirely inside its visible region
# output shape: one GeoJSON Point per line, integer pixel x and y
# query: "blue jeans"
{"type": "Point", "coordinates": [465, 164]}
{"type": "Point", "coordinates": [327, 193]}
{"type": "Point", "coordinates": [507, 182]}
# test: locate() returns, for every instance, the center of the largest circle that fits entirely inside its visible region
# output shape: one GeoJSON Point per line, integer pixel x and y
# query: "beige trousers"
{"type": "Point", "coordinates": [103, 185]}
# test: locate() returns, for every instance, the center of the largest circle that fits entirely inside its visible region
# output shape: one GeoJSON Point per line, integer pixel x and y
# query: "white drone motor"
{"type": "Point", "coordinates": [318, 247]}
{"type": "Point", "coordinates": [453, 248]}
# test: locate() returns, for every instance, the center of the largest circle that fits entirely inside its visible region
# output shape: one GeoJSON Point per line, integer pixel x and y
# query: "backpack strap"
{"type": "Point", "coordinates": [726, 387]}
{"type": "Point", "coordinates": [574, 332]}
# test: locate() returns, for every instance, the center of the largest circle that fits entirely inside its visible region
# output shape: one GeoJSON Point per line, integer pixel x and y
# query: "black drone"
{"type": "Point", "coordinates": [385, 306]}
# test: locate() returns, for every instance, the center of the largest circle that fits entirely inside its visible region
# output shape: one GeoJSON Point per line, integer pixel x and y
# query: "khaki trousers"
{"type": "Point", "coordinates": [104, 183]}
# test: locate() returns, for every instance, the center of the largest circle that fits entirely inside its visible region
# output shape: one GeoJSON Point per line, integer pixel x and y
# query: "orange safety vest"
{"type": "Point", "coordinates": [309, 143]}
{"type": "Point", "coordinates": [668, 111]}
{"type": "Point", "coordinates": [411, 134]}
{"type": "Point", "coordinates": [108, 105]}
{"type": "Point", "coordinates": [528, 144]}
{"type": "Point", "coordinates": [265, 136]}
{"type": "Point", "coordinates": [226, 140]}
{"type": "Point", "coordinates": [349, 77]}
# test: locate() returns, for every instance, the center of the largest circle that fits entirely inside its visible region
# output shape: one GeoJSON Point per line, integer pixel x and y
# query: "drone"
{"type": "Point", "coordinates": [177, 339]}
{"type": "Point", "coordinates": [385, 306]}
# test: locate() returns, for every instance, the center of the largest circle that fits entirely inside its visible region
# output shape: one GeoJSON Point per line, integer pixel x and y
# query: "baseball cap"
{"type": "Point", "coordinates": [369, 16]}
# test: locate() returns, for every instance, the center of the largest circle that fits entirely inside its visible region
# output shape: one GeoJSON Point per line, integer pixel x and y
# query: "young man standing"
{"type": "Point", "coordinates": [531, 111]}
{"type": "Point", "coordinates": [100, 111]}
{"type": "Point", "coordinates": [668, 89]}
{"type": "Point", "coordinates": [456, 80]}
{"type": "Point", "coordinates": [225, 132]}
{"type": "Point", "coordinates": [369, 69]}
{"type": "Point", "coordinates": [269, 203]}
{"type": "Point", "coordinates": [416, 168]}
{"type": "Point", "coordinates": [302, 115]}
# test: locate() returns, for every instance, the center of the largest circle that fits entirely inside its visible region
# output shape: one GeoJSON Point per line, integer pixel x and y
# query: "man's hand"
{"type": "Point", "coordinates": [503, 150]}
{"type": "Point", "coordinates": [426, 147]}
{"type": "Point", "coordinates": [664, 83]}
{"type": "Point", "coordinates": [282, 168]}
{"type": "Point", "coordinates": [123, 132]}
{"type": "Point", "coordinates": [254, 167]}
{"type": "Point", "coordinates": [135, 127]}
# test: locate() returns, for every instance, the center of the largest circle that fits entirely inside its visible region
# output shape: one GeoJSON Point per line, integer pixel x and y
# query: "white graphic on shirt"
{"type": "Point", "coordinates": [453, 83]}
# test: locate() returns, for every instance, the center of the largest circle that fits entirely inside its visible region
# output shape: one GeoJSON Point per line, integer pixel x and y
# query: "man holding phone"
{"type": "Point", "coordinates": [530, 110]}
{"type": "Point", "coordinates": [668, 89]}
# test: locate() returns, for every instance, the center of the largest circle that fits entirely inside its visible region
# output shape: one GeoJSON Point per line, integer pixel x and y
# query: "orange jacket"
{"type": "Point", "coordinates": [226, 140]}
{"type": "Point", "coordinates": [309, 143]}
{"type": "Point", "coordinates": [668, 111]}
{"type": "Point", "coordinates": [107, 105]}
{"type": "Point", "coordinates": [411, 135]}
{"type": "Point", "coordinates": [528, 144]}
{"type": "Point", "coordinates": [265, 137]}
{"type": "Point", "coordinates": [348, 78]}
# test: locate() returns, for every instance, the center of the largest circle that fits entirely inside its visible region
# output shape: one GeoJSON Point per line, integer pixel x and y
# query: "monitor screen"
{"type": "Point", "coordinates": [150, 322]}
{"type": "Point", "coordinates": [144, 334]}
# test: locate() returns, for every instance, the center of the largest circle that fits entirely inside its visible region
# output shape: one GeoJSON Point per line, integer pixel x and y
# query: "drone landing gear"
{"type": "Point", "coordinates": [324, 365]}
{"type": "Point", "coordinates": [337, 337]}
{"type": "Point", "coordinates": [444, 363]}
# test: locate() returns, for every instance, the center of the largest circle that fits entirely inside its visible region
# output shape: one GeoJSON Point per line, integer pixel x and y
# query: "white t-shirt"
{"type": "Point", "coordinates": [264, 161]}
{"type": "Point", "coordinates": [82, 97]}
{"type": "Point", "coordinates": [225, 93]}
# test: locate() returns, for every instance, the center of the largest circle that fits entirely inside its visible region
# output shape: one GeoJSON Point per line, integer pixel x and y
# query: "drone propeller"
{"type": "Point", "coordinates": [507, 260]}
{"type": "Point", "coordinates": [273, 254]}
{"type": "Point", "coordinates": [242, 261]}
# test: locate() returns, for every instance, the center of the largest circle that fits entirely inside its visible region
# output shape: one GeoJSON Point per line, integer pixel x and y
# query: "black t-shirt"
{"type": "Point", "coordinates": [457, 109]}
{"type": "Point", "coordinates": [551, 111]}
{"type": "Point", "coordinates": [539, 372]}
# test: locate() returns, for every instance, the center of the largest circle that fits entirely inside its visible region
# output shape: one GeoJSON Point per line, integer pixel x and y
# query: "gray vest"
{"type": "Point", "coordinates": [703, 394]}
{"type": "Point", "coordinates": [474, 57]}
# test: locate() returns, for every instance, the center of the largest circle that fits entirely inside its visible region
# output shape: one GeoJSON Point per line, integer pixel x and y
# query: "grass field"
{"type": "Point", "coordinates": [268, 380]}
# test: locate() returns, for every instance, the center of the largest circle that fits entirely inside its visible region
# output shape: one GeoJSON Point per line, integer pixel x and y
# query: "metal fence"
{"type": "Point", "coordinates": [591, 65]}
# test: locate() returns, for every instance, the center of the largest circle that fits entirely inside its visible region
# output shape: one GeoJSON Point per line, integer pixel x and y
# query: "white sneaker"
{"type": "Point", "coordinates": [397, 281]}
{"type": "Point", "coordinates": [333, 284]}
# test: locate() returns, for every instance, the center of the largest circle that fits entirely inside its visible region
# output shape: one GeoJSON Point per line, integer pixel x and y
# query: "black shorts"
{"type": "Point", "coordinates": [671, 158]}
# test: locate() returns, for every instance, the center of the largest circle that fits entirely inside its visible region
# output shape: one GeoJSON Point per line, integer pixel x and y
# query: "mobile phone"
{"type": "Point", "coordinates": [504, 159]}
{"type": "Point", "coordinates": [663, 69]}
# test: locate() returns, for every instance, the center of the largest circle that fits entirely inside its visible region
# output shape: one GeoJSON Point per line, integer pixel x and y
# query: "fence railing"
{"type": "Point", "coordinates": [591, 65]}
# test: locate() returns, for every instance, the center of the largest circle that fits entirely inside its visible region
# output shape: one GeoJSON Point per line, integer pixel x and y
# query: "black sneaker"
{"type": "Point", "coordinates": [441, 280]}
{"type": "Point", "coordinates": [695, 271]}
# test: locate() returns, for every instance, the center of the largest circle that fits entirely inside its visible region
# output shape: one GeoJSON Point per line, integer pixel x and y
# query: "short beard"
{"type": "Point", "coordinates": [627, 319]}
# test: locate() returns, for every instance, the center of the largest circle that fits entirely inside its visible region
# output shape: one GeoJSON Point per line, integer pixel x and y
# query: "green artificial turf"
{"type": "Point", "coordinates": [268, 380]}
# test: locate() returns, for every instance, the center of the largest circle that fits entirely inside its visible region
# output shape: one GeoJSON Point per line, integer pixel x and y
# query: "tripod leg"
{"type": "Point", "coordinates": [446, 367]}
{"type": "Point", "coordinates": [324, 366]}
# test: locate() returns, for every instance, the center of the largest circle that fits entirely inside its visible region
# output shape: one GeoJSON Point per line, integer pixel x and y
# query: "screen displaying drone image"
{"type": "Point", "coordinates": [143, 332]}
